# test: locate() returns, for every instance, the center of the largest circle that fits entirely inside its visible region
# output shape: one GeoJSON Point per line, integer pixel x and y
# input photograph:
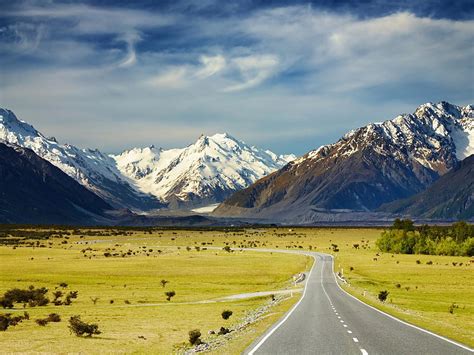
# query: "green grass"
{"type": "Point", "coordinates": [194, 276]}
{"type": "Point", "coordinates": [212, 274]}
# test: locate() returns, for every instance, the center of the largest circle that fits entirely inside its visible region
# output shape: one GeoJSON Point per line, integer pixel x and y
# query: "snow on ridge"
{"type": "Point", "coordinates": [213, 163]}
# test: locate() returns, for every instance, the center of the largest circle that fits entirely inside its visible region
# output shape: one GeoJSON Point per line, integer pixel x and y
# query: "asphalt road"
{"type": "Point", "coordinates": [327, 320]}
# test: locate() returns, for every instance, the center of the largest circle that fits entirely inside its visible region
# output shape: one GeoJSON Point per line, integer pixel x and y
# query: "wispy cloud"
{"type": "Point", "coordinates": [253, 70]}
{"type": "Point", "coordinates": [295, 68]}
{"type": "Point", "coordinates": [210, 65]}
{"type": "Point", "coordinates": [171, 79]}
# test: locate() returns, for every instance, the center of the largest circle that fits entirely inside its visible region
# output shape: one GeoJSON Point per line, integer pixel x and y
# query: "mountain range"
{"type": "Point", "coordinates": [367, 167]}
{"type": "Point", "coordinates": [144, 179]}
{"type": "Point", "coordinates": [203, 173]}
{"type": "Point", "coordinates": [416, 165]}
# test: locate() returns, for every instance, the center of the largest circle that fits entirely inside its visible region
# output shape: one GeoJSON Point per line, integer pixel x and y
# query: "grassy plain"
{"type": "Point", "coordinates": [424, 296]}
{"type": "Point", "coordinates": [195, 276]}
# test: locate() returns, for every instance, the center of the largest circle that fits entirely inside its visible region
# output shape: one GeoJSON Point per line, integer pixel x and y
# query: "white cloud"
{"type": "Point", "coordinates": [254, 70]}
{"type": "Point", "coordinates": [130, 39]}
{"type": "Point", "coordinates": [171, 79]}
{"type": "Point", "coordinates": [329, 73]}
{"type": "Point", "coordinates": [210, 65]}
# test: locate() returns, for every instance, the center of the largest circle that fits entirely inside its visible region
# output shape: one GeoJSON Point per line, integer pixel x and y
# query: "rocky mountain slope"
{"type": "Point", "coordinates": [203, 173]}
{"type": "Point", "coordinates": [366, 168]}
{"type": "Point", "coordinates": [91, 168]}
{"type": "Point", "coordinates": [451, 196]}
{"type": "Point", "coordinates": [33, 190]}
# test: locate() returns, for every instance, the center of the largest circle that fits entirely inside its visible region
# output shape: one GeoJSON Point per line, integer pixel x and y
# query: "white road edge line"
{"type": "Point", "coordinates": [395, 318]}
{"type": "Point", "coordinates": [259, 344]}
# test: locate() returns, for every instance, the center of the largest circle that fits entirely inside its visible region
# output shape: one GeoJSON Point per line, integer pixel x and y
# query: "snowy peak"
{"type": "Point", "coordinates": [204, 172]}
{"type": "Point", "coordinates": [15, 131]}
{"type": "Point", "coordinates": [433, 134]}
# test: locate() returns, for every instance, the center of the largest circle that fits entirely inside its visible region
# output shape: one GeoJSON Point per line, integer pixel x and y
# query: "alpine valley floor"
{"type": "Point", "coordinates": [134, 315]}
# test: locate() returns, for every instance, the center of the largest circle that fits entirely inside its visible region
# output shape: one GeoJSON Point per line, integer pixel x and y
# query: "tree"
{"type": "Point", "coordinates": [163, 282]}
{"type": "Point", "coordinates": [226, 314]}
{"type": "Point", "coordinates": [169, 295]}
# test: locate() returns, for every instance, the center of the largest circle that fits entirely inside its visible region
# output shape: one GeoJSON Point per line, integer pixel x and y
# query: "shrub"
{"type": "Point", "coordinates": [226, 314]}
{"type": "Point", "coordinates": [163, 282]}
{"type": "Point", "coordinates": [54, 317]}
{"type": "Point", "coordinates": [79, 328]}
{"type": "Point", "coordinates": [169, 295]}
{"type": "Point", "coordinates": [227, 249]}
{"type": "Point", "coordinates": [223, 331]}
{"type": "Point", "coordinates": [195, 337]}
{"type": "Point", "coordinates": [4, 321]}
{"type": "Point", "coordinates": [41, 322]}
{"type": "Point", "coordinates": [383, 295]}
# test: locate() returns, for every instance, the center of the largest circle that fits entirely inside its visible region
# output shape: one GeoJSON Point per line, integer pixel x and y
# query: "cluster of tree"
{"type": "Point", "coordinates": [405, 238]}
{"type": "Point", "coordinates": [36, 297]}
{"type": "Point", "coordinates": [31, 296]}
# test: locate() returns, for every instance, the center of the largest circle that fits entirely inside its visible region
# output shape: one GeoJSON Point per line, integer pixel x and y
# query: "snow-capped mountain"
{"type": "Point", "coordinates": [91, 168]}
{"type": "Point", "coordinates": [203, 173]}
{"type": "Point", "coordinates": [143, 179]}
{"type": "Point", "coordinates": [375, 164]}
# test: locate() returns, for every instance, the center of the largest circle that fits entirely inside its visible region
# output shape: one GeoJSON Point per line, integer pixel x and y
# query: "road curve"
{"type": "Point", "coordinates": [327, 320]}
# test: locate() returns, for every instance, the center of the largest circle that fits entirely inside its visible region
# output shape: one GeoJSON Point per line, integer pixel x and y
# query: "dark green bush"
{"type": "Point", "coordinates": [31, 296]}
{"type": "Point", "coordinates": [80, 328]}
{"type": "Point", "coordinates": [169, 295]}
{"type": "Point", "coordinates": [383, 295]}
{"type": "Point", "coordinates": [195, 337]}
{"type": "Point", "coordinates": [54, 317]}
{"type": "Point", "coordinates": [223, 331]}
{"type": "Point", "coordinates": [226, 314]}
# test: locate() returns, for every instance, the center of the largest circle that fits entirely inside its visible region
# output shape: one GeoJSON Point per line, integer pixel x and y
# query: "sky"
{"type": "Point", "coordinates": [284, 75]}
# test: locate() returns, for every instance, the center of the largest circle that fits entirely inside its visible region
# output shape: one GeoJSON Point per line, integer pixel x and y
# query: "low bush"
{"type": "Point", "coordinates": [383, 295]}
{"type": "Point", "coordinates": [223, 331]}
{"type": "Point", "coordinates": [169, 295]}
{"type": "Point", "coordinates": [226, 314]}
{"type": "Point", "coordinates": [54, 317]}
{"type": "Point", "coordinates": [41, 322]}
{"type": "Point", "coordinates": [80, 328]}
{"type": "Point", "coordinates": [195, 337]}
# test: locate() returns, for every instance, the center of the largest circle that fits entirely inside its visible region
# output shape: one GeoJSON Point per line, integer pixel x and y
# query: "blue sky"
{"type": "Point", "coordinates": [289, 76]}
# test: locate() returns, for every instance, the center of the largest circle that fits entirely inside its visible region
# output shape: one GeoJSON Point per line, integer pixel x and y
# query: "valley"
{"type": "Point", "coordinates": [123, 269]}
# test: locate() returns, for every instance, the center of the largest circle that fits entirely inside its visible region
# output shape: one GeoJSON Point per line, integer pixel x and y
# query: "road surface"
{"type": "Point", "coordinates": [327, 320]}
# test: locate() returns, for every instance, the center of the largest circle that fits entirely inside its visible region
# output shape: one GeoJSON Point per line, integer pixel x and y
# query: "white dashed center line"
{"type": "Point", "coordinates": [349, 331]}
{"type": "Point", "coordinates": [355, 340]}
{"type": "Point", "coordinates": [364, 352]}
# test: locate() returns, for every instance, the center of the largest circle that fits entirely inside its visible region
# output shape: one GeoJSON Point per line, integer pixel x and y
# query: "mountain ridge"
{"type": "Point", "coordinates": [32, 190]}
{"type": "Point", "coordinates": [367, 167]}
{"type": "Point", "coordinates": [451, 196]}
